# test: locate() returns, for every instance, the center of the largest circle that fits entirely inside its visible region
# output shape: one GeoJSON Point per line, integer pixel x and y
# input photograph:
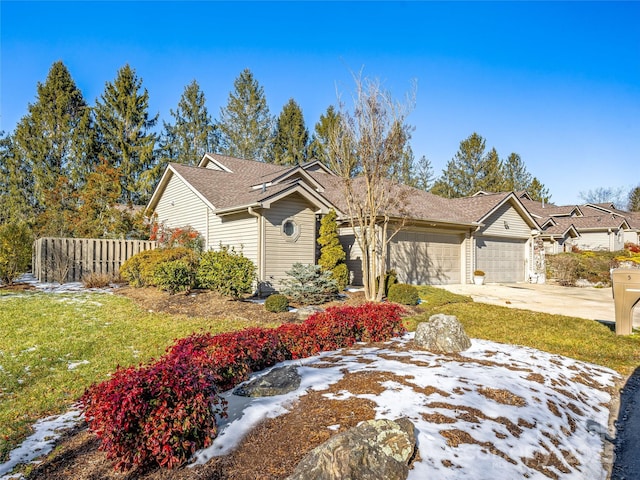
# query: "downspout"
{"type": "Point", "coordinates": [260, 252]}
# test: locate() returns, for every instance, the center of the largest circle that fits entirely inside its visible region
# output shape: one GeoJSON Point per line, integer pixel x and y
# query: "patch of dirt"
{"type": "Point", "coordinates": [17, 287]}
{"type": "Point", "coordinates": [204, 304]}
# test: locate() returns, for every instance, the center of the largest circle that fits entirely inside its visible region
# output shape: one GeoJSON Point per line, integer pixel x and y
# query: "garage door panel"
{"type": "Point", "coordinates": [425, 258]}
{"type": "Point", "coordinates": [502, 260]}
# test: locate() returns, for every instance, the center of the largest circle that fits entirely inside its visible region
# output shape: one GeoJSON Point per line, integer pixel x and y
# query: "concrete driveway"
{"type": "Point", "coordinates": [584, 302]}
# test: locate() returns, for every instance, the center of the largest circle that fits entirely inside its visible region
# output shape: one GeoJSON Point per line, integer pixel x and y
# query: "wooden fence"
{"type": "Point", "coordinates": [69, 259]}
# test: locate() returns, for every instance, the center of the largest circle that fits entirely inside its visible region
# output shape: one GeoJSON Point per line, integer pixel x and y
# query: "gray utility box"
{"type": "Point", "coordinates": [626, 293]}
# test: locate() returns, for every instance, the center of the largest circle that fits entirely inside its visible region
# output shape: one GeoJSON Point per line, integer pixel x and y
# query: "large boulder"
{"type": "Point", "coordinates": [374, 450]}
{"type": "Point", "coordinates": [442, 334]}
{"type": "Point", "coordinates": [278, 381]}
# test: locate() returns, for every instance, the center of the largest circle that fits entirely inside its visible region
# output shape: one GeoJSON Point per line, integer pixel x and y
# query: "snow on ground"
{"type": "Point", "coordinates": [493, 412]}
{"type": "Point", "coordinates": [71, 287]}
{"type": "Point", "coordinates": [46, 431]}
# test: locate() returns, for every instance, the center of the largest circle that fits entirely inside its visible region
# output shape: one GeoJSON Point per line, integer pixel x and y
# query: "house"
{"type": "Point", "coordinates": [587, 226]}
{"type": "Point", "coordinates": [271, 213]}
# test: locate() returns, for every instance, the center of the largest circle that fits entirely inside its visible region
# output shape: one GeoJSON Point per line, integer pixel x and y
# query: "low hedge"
{"type": "Point", "coordinates": [161, 413]}
{"type": "Point", "coordinates": [404, 294]}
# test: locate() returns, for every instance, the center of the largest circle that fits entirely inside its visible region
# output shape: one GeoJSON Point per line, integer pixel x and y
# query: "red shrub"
{"type": "Point", "coordinates": [162, 413]}
{"type": "Point", "coordinates": [632, 247]}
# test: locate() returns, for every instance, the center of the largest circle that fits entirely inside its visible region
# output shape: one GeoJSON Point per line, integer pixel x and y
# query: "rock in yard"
{"type": "Point", "coordinates": [374, 450]}
{"type": "Point", "coordinates": [305, 312]}
{"type": "Point", "coordinates": [278, 381]}
{"type": "Point", "coordinates": [442, 334]}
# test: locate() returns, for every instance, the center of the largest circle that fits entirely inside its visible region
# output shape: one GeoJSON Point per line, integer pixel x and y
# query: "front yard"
{"type": "Point", "coordinates": [54, 346]}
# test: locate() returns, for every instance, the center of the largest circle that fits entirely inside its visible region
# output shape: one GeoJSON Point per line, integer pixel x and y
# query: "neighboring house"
{"type": "Point", "coordinates": [587, 227]}
{"type": "Point", "coordinates": [271, 213]}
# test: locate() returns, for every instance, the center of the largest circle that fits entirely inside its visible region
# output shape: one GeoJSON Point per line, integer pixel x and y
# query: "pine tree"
{"type": "Point", "coordinates": [16, 186]}
{"type": "Point", "coordinates": [424, 174]}
{"type": "Point", "coordinates": [515, 174]}
{"type": "Point", "coordinates": [127, 142]}
{"type": "Point", "coordinates": [319, 145]}
{"type": "Point", "coordinates": [193, 133]}
{"type": "Point", "coordinates": [245, 123]}
{"type": "Point", "coordinates": [54, 144]}
{"type": "Point", "coordinates": [332, 256]}
{"type": "Point", "coordinates": [538, 192]}
{"type": "Point", "coordinates": [491, 174]}
{"type": "Point", "coordinates": [402, 171]}
{"type": "Point", "coordinates": [291, 137]}
{"type": "Point", "coordinates": [463, 172]}
{"type": "Point", "coordinates": [634, 200]}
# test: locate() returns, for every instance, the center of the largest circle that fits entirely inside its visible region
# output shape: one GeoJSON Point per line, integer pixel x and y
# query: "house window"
{"type": "Point", "coordinates": [290, 230]}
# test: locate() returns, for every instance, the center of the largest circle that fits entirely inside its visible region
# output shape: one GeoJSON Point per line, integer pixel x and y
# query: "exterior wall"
{"type": "Point", "coordinates": [239, 231]}
{"type": "Point", "coordinates": [506, 222]}
{"type": "Point", "coordinates": [632, 236]}
{"type": "Point", "coordinates": [282, 252]}
{"type": "Point", "coordinates": [179, 206]}
{"type": "Point", "coordinates": [600, 241]}
{"type": "Point", "coordinates": [354, 254]}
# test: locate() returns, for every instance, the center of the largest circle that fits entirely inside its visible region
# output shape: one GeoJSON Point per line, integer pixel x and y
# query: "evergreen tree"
{"type": "Point", "coordinates": [402, 171]}
{"type": "Point", "coordinates": [634, 200]}
{"type": "Point", "coordinates": [54, 144]}
{"type": "Point", "coordinates": [319, 146]}
{"type": "Point", "coordinates": [515, 175]}
{"type": "Point", "coordinates": [463, 174]}
{"type": "Point", "coordinates": [193, 133]}
{"type": "Point", "coordinates": [332, 256]}
{"type": "Point", "coordinates": [16, 186]}
{"type": "Point", "coordinates": [291, 137]}
{"type": "Point", "coordinates": [245, 123]}
{"type": "Point", "coordinates": [424, 174]}
{"type": "Point", "coordinates": [127, 141]}
{"type": "Point", "coordinates": [538, 192]}
{"type": "Point", "coordinates": [491, 179]}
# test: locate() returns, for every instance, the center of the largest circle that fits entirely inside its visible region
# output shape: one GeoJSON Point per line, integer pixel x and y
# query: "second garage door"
{"type": "Point", "coordinates": [502, 260]}
{"type": "Point", "coordinates": [426, 258]}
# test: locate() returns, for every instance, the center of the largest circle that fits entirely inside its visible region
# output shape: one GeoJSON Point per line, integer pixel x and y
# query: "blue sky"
{"type": "Point", "coordinates": [558, 83]}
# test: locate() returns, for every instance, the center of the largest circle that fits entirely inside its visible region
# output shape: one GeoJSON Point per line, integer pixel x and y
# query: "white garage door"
{"type": "Point", "coordinates": [502, 260]}
{"type": "Point", "coordinates": [426, 258]}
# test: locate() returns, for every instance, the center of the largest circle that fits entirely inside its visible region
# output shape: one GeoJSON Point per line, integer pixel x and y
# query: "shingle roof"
{"type": "Point", "coordinates": [548, 210]}
{"type": "Point", "coordinates": [476, 207]}
{"type": "Point", "coordinates": [594, 222]}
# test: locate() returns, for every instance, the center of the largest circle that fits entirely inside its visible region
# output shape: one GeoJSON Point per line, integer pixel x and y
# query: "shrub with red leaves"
{"type": "Point", "coordinates": [162, 413]}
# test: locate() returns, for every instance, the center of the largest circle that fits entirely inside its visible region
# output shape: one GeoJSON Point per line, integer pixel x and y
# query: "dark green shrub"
{"type": "Point", "coordinates": [140, 269]}
{"type": "Point", "coordinates": [276, 303]}
{"type": "Point", "coordinates": [390, 278]}
{"type": "Point", "coordinates": [15, 251]}
{"type": "Point", "coordinates": [403, 294]}
{"type": "Point", "coordinates": [175, 276]}
{"type": "Point", "coordinates": [309, 285]}
{"type": "Point", "coordinates": [226, 272]}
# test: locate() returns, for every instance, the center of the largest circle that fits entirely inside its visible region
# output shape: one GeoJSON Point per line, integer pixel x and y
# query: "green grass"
{"type": "Point", "coordinates": [46, 341]}
{"type": "Point", "coordinates": [585, 340]}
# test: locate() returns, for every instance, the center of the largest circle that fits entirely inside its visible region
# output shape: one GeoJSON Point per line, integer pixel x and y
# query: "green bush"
{"type": "Point", "coordinates": [226, 272]}
{"type": "Point", "coordinates": [140, 270]}
{"type": "Point", "coordinates": [175, 276]}
{"type": "Point", "coordinates": [276, 303]}
{"type": "Point", "coordinates": [309, 285]}
{"type": "Point", "coordinates": [332, 255]}
{"type": "Point", "coordinates": [403, 294]}
{"type": "Point", "coordinates": [15, 250]}
{"type": "Point", "coordinates": [390, 278]}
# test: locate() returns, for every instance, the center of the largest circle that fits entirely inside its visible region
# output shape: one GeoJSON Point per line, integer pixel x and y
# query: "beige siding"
{"type": "Point", "coordinates": [354, 255]}
{"type": "Point", "coordinates": [179, 206]}
{"type": "Point", "coordinates": [506, 222]}
{"type": "Point", "coordinates": [593, 241]}
{"type": "Point", "coordinates": [239, 231]}
{"type": "Point", "coordinates": [281, 252]}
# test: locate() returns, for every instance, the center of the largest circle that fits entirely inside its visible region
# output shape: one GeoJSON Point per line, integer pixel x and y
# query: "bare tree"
{"type": "Point", "coordinates": [613, 195]}
{"type": "Point", "coordinates": [365, 146]}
